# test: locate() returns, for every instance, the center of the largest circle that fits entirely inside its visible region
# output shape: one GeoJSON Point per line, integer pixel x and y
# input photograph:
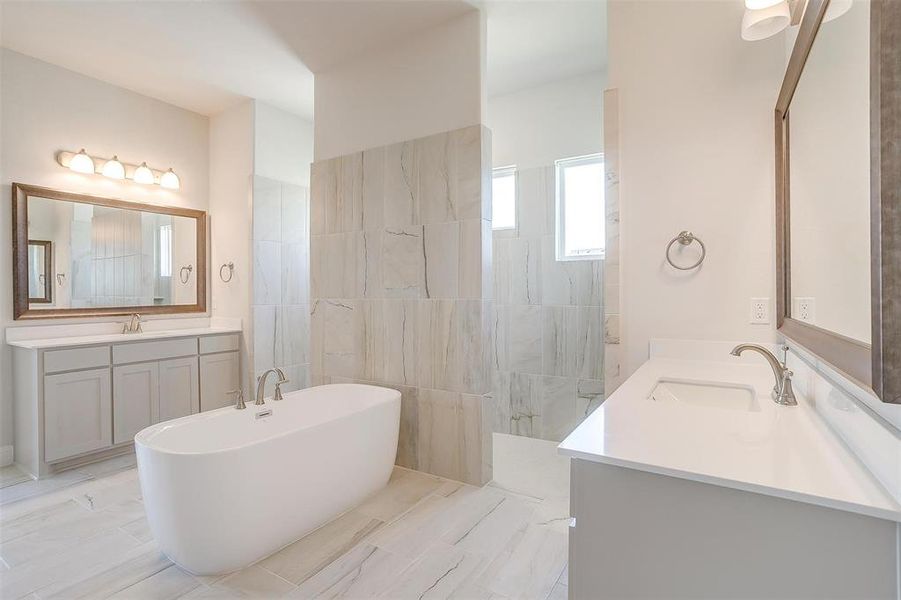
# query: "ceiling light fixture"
{"type": "Point", "coordinates": [762, 23]}
{"type": "Point", "coordinates": [114, 169]}
{"type": "Point", "coordinates": [81, 162]}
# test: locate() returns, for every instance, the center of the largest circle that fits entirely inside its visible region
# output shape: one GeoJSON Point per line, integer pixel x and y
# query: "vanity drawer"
{"type": "Point", "coordinates": [73, 359]}
{"type": "Point", "coordinates": [144, 351]}
{"type": "Point", "coordinates": [219, 343]}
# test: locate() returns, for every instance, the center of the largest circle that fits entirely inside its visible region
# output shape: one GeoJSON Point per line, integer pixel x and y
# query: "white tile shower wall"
{"type": "Point", "coordinates": [401, 288]}
{"type": "Point", "coordinates": [547, 358]}
{"type": "Point", "coordinates": [281, 282]}
{"type": "Point", "coordinates": [613, 347]}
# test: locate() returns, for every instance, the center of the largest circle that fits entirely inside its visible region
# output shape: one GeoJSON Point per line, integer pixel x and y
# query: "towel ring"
{"type": "Point", "coordinates": [181, 273]}
{"type": "Point", "coordinates": [685, 238]}
{"type": "Point", "coordinates": [231, 271]}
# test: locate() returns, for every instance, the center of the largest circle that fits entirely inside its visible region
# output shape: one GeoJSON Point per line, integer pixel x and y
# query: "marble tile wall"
{"type": "Point", "coordinates": [281, 282]}
{"type": "Point", "coordinates": [613, 350]}
{"type": "Point", "coordinates": [548, 354]}
{"type": "Point", "coordinates": [401, 290]}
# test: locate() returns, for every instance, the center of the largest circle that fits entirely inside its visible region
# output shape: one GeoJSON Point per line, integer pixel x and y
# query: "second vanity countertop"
{"type": "Point", "coordinates": [112, 338]}
{"type": "Point", "coordinates": [783, 451]}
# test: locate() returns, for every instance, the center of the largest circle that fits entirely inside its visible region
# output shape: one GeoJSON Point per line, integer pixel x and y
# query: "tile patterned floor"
{"type": "Point", "coordinates": [420, 537]}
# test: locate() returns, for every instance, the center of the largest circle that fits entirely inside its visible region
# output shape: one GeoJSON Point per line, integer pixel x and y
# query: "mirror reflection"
{"type": "Point", "coordinates": [829, 158]}
{"type": "Point", "coordinates": [39, 269]}
{"type": "Point", "coordinates": [108, 256]}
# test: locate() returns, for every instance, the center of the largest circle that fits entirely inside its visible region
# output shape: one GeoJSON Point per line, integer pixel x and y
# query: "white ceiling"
{"type": "Point", "coordinates": [206, 56]}
{"type": "Point", "coordinates": [534, 42]}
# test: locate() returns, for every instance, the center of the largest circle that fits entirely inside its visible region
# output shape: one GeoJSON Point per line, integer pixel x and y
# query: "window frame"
{"type": "Point", "coordinates": [560, 166]}
{"type": "Point", "coordinates": [502, 172]}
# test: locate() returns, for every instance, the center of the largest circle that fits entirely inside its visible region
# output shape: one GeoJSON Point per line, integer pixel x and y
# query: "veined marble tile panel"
{"type": "Point", "coordinates": [401, 347]}
{"type": "Point", "coordinates": [295, 334]}
{"type": "Point", "coordinates": [401, 183]}
{"type": "Point", "coordinates": [442, 248]}
{"type": "Point", "coordinates": [336, 265]}
{"type": "Point", "coordinates": [438, 573]}
{"type": "Point", "coordinates": [403, 262]}
{"type": "Point", "coordinates": [536, 202]}
{"type": "Point", "coordinates": [320, 173]}
{"type": "Point", "coordinates": [295, 222]}
{"type": "Point", "coordinates": [373, 200]}
{"type": "Point", "coordinates": [342, 186]}
{"type": "Point", "coordinates": [371, 342]}
{"type": "Point", "coordinates": [295, 273]}
{"type": "Point", "coordinates": [560, 340]}
{"type": "Point", "coordinates": [557, 407]}
{"type": "Point", "coordinates": [502, 262]}
{"type": "Point", "coordinates": [524, 334]}
{"type": "Point", "coordinates": [437, 174]}
{"type": "Point", "coordinates": [591, 343]}
{"type": "Point", "coordinates": [340, 343]}
{"type": "Point", "coordinates": [267, 209]}
{"type": "Point", "coordinates": [525, 271]}
{"type": "Point", "coordinates": [533, 565]}
{"type": "Point", "coordinates": [440, 421]}
{"type": "Point", "coordinates": [371, 265]}
{"type": "Point", "coordinates": [473, 178]}
{"type": "Point", "coordinates": [267, 337]}
{"type": "Point", "coordinates": [589, 395]}
{"type": "Point", "coordinates": [267, 273]}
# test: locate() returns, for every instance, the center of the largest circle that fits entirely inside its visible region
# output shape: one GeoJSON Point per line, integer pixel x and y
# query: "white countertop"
{"type": "Point", "coordinates": [107, 338]}
{"type": "Point", "coordinates": [782, 451]}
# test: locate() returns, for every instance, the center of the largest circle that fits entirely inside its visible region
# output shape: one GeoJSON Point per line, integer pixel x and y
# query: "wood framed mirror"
{"type": "Point", "coordinates": [838, 191]}
{"type": "Point", "coordinates": [40, 267]}
{"type": "Point", "coordinates": [76, 255]}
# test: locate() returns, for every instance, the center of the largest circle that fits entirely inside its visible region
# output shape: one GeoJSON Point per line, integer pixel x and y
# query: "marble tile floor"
{"type": "Point", "coordinates": [420, 537]}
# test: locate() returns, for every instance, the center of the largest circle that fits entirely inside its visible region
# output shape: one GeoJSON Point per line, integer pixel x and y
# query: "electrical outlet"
{"type": "Point", "coordinates": [805, 309]}
{"type": "Point", "coordinates": [760, 310]}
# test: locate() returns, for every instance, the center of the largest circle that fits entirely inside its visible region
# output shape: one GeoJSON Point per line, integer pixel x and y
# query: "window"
{"type": "Point", "coordinates": [165, 251]}
{"type": "Point", "coordinates": [503, 198]}
{"type": "Point", "coordinates": [580, 208]}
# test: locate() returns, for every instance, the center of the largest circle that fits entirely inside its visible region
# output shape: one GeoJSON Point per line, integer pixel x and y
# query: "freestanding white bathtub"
{"type": "Point", "coordinates": [225, 488]}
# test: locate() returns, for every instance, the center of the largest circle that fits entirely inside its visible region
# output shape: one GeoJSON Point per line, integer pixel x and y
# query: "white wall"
{"type": "Point", "coordinates": [426, 84]}
{"type": "Point", "coordinates": [46, 109]}
{"type": "Point", "coordinates": [536, 126]}
{"type": "Point", "coordinates": [231, 145]}
{"type": "Point", "coordinates": [283, 145]}
{"type": "Point", "coordinates": [696, 118]}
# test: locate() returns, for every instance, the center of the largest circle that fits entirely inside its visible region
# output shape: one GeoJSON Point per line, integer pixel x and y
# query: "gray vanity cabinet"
{"type": "Point", "coordinates": [77, 409]}
{"type": "Point", "coordinates": [79, 403]}
{"type": "Point", "coordinates": [179, 388]}
{"type": "Point", "coordinates": [136, 389]}
{"type": "Point", "coordinates": [219, 375]}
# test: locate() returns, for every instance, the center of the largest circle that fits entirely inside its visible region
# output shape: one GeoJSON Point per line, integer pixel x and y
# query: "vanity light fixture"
{"type": "Point", "coordinates": [81, 162]}
{"type": "Point", "coordinates": [761, 23]}
{"type": "Point", "coordinates": [170, 180]}
{"type": "Point", "coordinates": [114, 169]}
{"type": "Point", "coordinates": [144, 175]}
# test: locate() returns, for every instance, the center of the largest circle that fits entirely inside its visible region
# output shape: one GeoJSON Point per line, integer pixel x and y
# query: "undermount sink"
{"type": "Point", "coordinates": [706, 394]}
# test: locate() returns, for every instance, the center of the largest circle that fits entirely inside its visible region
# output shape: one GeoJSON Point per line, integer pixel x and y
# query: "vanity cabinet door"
{"type": "Point", "coordinates": [136, 393]}
{"type": "Point", "coordinates": [179, 388]}
{"type": "Point", "coordinates": [219, 374]}
{"type": "Point", "coordinates": [77, 413]}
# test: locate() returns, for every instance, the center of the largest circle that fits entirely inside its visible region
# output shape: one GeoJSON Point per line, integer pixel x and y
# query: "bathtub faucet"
{"type": "Point", "coordinates": [261, 385]}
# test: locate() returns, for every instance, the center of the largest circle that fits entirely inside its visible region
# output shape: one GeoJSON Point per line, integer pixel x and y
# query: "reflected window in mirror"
{"type": "Point", "coordinates": [829, 184]}
{"type": "Point", "coordinates": [40, 268]}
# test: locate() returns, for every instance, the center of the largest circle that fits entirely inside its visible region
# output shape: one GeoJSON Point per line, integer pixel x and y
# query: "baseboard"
{"type": "Point", "coordinates": [6, 456]}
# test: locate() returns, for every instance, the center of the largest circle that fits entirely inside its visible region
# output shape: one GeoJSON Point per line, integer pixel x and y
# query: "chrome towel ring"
{"type": "Point", "coordinates": [231, 271]}
{"type": "Point", "coordinates": [685, 238]}
{"type": "Point", "coordinates": [181, 273]}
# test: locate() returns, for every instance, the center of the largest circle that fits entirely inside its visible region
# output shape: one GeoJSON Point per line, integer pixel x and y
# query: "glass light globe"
{"type": "Point", "coordinates": [143, 174]}
{"type": "Point", "coordinates": [765, 22]}
{"type": "Point", "coordinates": [170, 180]}
{"type": "Point", "coordinates": [114, 169]}
{"type": "Point", "coordinates": [82, 163]}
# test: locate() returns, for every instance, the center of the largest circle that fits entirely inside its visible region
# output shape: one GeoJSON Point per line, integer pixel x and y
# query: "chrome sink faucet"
{"type": "Point", "coordinates": [782, 390]}
{"type": "Point", "coordinates": [261, 386]}
{"type": "Point", "coordinates": [133, 325]}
